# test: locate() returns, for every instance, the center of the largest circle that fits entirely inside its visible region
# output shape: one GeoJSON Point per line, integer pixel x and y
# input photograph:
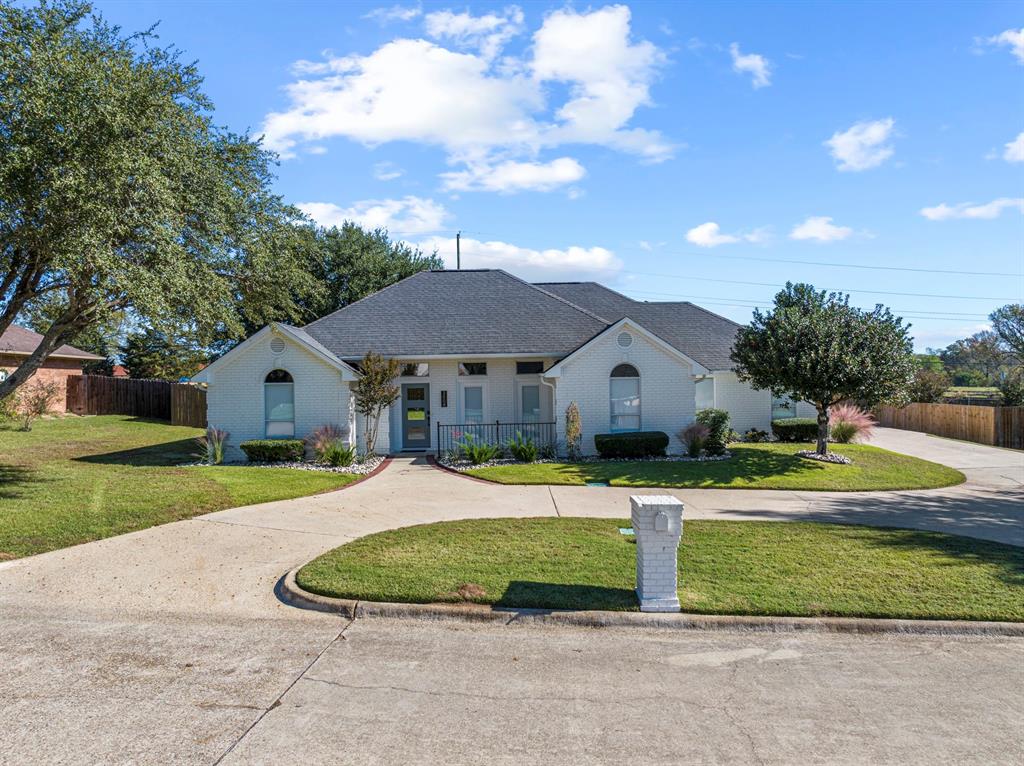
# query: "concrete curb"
{"type": "Point", "coordinates": [289, 592]}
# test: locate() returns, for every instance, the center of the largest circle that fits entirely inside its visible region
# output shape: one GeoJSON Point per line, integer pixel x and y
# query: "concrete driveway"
{"type": "Point", "coordinates": [168, 645]}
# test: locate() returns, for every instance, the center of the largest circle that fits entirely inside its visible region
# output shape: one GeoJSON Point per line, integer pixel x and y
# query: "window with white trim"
{"type": "Point", "coordinates": [279, 404]}
{"type": "Point", "coordinates": [625, 398]}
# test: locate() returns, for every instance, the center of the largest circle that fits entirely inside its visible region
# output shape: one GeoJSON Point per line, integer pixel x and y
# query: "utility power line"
{"type": "Point", "coordinates": [831, 289]}
{"type": "Point", "coordinates": [860, 266]}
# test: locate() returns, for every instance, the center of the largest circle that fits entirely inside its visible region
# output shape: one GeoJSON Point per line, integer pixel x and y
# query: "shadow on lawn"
{"type": "Point", "coordinates": [751, 463]}
{"type": "Point", "coordinates": [166, 454]}
{"type": "Point", "coordinates": [15, 479]}
{"type": "Point", "coordinates": [524, 594]}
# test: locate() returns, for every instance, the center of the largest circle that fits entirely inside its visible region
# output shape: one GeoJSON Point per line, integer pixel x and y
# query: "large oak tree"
{"type": "Point", "coordinates": [818, 348]}
{"type": "Point", "coordinates": [119, 194]}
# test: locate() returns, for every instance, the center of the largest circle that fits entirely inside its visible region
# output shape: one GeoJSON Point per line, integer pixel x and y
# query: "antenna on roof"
{"type": "Point", "coordinates": [458, 250]}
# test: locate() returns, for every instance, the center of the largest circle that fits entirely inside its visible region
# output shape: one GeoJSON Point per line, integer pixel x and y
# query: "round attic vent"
{"type": "Point", "coordinates": [276, 345]}
{"type": "Point", "coordinates": [625, 340]}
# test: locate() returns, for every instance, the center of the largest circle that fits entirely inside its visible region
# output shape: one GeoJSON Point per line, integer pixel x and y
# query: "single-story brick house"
{"type": "Point", "coordinates": [17, 343]}
{"type": "Point", "coordinates": [484, 352]}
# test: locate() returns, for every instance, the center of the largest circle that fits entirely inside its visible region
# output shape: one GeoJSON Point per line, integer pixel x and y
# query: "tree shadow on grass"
{"type": "Point", "coordinates": [524, 594]}
{"type": "Point", "coordinates": [166, 454]}
{"type": "Point", "coordinates": [16, 479]}
{"type": "Point", "coordinates": [750, 463]}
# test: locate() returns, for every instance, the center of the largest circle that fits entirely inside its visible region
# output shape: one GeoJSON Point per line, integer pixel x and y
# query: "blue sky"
{"type": "Point", "coordinates": [673, 151]}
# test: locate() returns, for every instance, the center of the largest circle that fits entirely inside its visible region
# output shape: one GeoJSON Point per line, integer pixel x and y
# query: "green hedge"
{"type": "Point", "coordinates": [273, 450]}
{"type": "Point", "coordinates": [717, 423]}
{"type": "Point", "coordinates": [795, 429]}
{"type": "Point", "coordinates": [632, 444]}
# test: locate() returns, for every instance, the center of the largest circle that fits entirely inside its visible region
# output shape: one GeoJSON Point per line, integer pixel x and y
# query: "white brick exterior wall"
{"type": "Point", "coordinates": [235, 396]}
{"type": "Point", "coordinates": [666, 388]}
{"type": "Point", "coordinates": [747, 407]}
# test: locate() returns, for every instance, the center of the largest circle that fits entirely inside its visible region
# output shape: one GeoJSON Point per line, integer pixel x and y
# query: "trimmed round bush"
{"type": "Point", "coordinates": [632, 444]}
{"type": "Point", "coordinates": [795, 429]}
{"type": "Point", "coordinates": [273, 450]}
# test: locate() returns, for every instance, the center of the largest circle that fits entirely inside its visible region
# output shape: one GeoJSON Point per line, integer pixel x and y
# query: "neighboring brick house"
{"type": "Point", "coordinates": [17, 343]}
{"type": "Point", "coordinates": [481, 348]}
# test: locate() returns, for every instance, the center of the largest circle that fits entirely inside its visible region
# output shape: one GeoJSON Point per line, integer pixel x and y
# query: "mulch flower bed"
{"type": "Point", "coordinates": [366, 466]}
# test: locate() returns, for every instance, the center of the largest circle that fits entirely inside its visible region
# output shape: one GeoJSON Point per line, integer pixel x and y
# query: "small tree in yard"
{"type": "Point", "coordinates": [816, 347]}
{"type": "Point", "coordinates": [374, 392]}
{"type": "Point", "coordinates": [573, 431]}
{"type": "Point", "coordinates": [928, 385]}
{"type": "Point", "coordinates": [34, 400]}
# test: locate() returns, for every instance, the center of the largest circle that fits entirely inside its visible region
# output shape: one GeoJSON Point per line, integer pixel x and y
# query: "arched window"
{"type": "Point", "coordinates": [625, 398]}
{"type": "Point", "coordinates": [279, 404]}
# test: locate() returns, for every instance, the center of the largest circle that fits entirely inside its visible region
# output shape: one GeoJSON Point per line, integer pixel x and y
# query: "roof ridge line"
{"type": "Point", "coordinates": [710, 313]}
{"type": "Point", "coordinates": [557, 298]}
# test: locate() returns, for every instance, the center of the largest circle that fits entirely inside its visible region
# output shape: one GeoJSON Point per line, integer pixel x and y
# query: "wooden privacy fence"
{"type": "Point", "coordinates": [998, 426]}
{"type": "Point", "coordinates": [180, 403]}
{"type": "Point", "coordinates": [188, 405]}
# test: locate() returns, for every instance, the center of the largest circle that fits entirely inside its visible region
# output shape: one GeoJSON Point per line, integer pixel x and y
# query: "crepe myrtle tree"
{"type": "Point", "coordinates": [816, 347]}
{"type": "Point", "coordinates": [119, 196]}
{"type": "Point", "coordinates": [374, 392]}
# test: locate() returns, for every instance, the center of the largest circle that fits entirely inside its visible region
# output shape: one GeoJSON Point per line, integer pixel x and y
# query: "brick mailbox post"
{"type": "Point", "coordinates": [658, 526]}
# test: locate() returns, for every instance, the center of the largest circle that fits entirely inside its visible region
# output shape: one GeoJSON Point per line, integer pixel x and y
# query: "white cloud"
{"type": "Point", "coordinates": [482, 111]}
{"type": "Point", "coordinates": [1013, 39]}
{"type": "Point", "coordinates": [753, 64]}
{"type": "Point", "coordinates": [609, 77]}
{"type": "Point", "coordinates": [552, 264]}
{"type": "Point", "coordinates": [1014, 151]}
{"type": "Point", "coordinates": [405, 217]}
{"type": "Point", "coordinates": [487, 34]}
{"type": "Point", "coordinates": [820, 229]}
{"type": "Point", "coordinates": [862, 146]}
{"type": "Point", "coordinates": [989, 210]}
{"type": "Point", "coordinates": [710, 235]}
{"type": "Point", "coordinates": [511, 176]}
{"type": "Point", "coordinates": [394, 13]}
{"type": "Point", "coordinates": [387, 171]}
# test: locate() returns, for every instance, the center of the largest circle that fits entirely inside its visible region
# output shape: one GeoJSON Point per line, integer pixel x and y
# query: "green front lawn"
{"type": "Point", "coordinates": [725, 567]}
{"type": "Point", "coordinates": [752, 466]}
{"type": "Point", "coordinates": [72, 480]}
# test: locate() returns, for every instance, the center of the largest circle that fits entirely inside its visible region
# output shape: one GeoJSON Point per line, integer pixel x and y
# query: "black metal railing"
{"type": "Point", "coordinates": [449, 437]}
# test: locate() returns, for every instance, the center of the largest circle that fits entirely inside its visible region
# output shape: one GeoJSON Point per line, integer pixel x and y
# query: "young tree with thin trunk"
{"type": "Point", "coordinates": [374, 392]}
{"type": "Point", "coordinates": [815, 347]}
{"type": "Point", "coordinates": [119, 195]}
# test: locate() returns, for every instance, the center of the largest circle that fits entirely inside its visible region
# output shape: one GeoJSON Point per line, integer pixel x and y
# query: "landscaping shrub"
{"type": "Point", "coordinates": [338, 453]}
{"type": "Point", "coordinates": [755, 436]}
{"type": "Point", "coordinates": [693, 438]}
{"type": "Point", "coordinates": [329, 446]}
{"type": "Point", "coordinates": [273, 450]}
{"type": "Point", "coordinates": [717, 422]}
{"type": "Point", "coordinates": [522, 449]}
{"type": "Point", "coordinates": [211, 445]}
{"type": "Point", "coordinates": [795, 429]}
{"type": "Point", "coordinates": [849, 423]}
{"type": "Point", "coordinates": [478, 452]}
{"type": "Point", "coordinates": [632, 444]}
{"type": "Point", "coordinates": [33, 400]}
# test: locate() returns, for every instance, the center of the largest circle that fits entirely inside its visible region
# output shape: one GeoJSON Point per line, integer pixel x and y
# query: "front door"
{"type": "Point", "coordinates": [415, 415]}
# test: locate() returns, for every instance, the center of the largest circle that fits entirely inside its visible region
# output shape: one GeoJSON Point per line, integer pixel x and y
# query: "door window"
{"type": "Point", "coordinates": [530, 400]}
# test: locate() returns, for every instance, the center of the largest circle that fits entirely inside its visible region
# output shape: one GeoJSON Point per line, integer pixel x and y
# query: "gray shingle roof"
{"type": "Point", "coordinates": [698, 333]}
{"type": "Point", "coordinates": [21, 341]}
{"type": "Point", "coordinates": [457, 312]}
{"type": "Point", "coordinates": [492, 312]}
